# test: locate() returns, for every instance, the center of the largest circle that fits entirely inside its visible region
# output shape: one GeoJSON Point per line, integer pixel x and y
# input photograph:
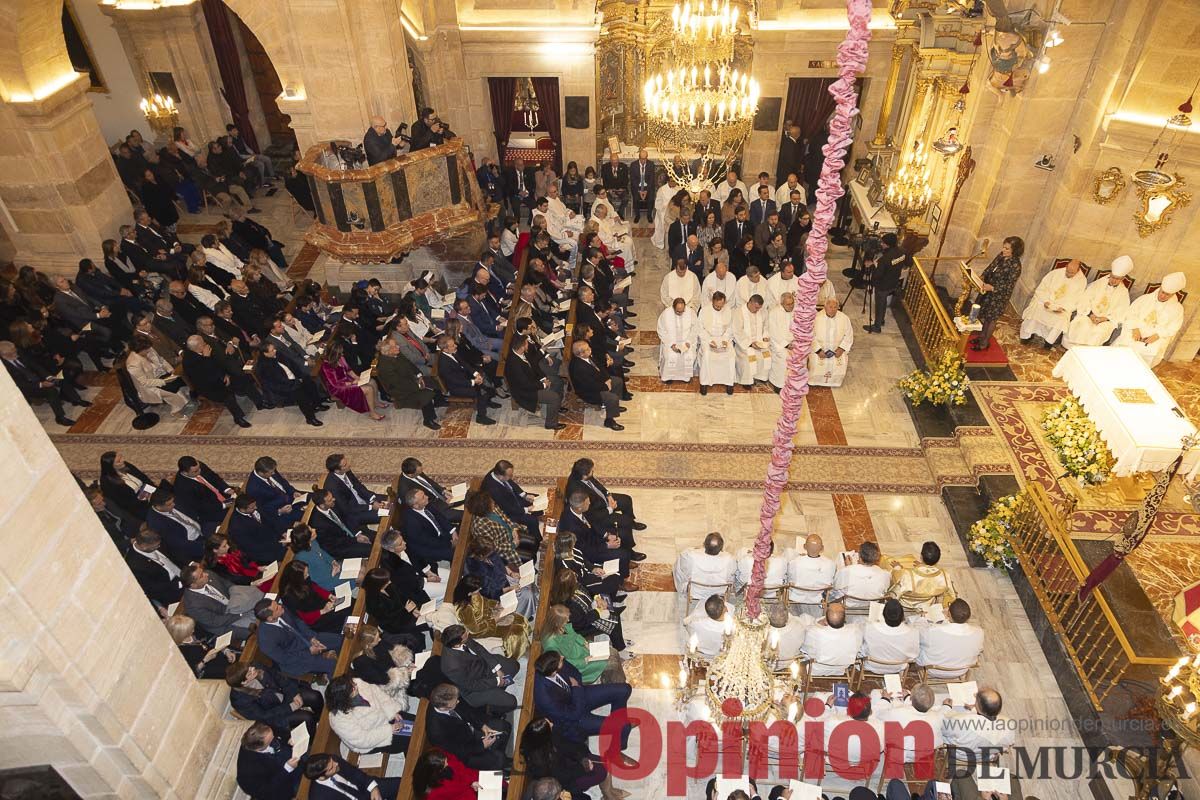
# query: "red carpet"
{"type": "Point", "coordinates": [993, 356]}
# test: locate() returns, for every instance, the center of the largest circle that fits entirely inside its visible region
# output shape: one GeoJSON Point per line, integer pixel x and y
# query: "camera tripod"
{"type": "Point", "coordinates": [868, 289]}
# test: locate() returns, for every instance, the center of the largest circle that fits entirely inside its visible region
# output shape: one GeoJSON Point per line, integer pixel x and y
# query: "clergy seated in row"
{"type": "Point", "coordinates": [1056, 297]}
{"type": "Point", "coordinates": [718, 357]}
{"type": "Point", "coordinates": [810, 574]}
{"type": "Point", "coordinates": [832, 644]}
{"type": "Point", "coordinates": [921, 585]}
{"type": "Point", "coordinates": [698, 572]}
{"type": "Point", "coordinates": [680, 282]}
{"type": "Point", "coordinates": [705, 627]}
{"type": "Point", "coordinates": [889, 645]}
{"type": "Point", "coordinates": [720, 279]}
{"type": "Point", "coordinates": [952, 645]}
{"type": "Point", "coordinates": [833, 336]}
{"type": "Point", "coordinates": [1153, 320]}
{"type": "Point", "coordinates": [859, 583]}
{"type": "Point", "coordinates": [779, 328]}
{"type": "Point", "coordinates": [1101, 308]}
{"type": "Point", "coordinates": [612, 230]}
{"type": "Point", "coordinates": [789, 631]}
{"type": "Point", "coordinates": [776, 568]}
{"type": "Point", "coordinates": [752, 342]}
{"type": "Point", "coordinates": [678, 336]}
{"type": "Point", "coordinates": [563, 225]}
{"type": "Point", "coordinates": [782, 282]}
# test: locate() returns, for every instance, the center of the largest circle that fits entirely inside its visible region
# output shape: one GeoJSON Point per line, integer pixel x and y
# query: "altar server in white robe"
{"type": "Point", "coordinates": [719, 280]}
{"type": "Point", "coordinates": [613, 232]}
{"type": "Point", "coordinates": [833, 336]}
{"type": "Point", "coordinates": [779, 283]}
{"type": "Point", "coordinates": [678, 332]}
{"type": "Point", "coordinates": [752, 342]}
{"type": "Point", "coordinates": [1101, 308]}
{"type": "Point", "coordinates": [718, 358]}
{"type": "Point", "coordinates": [1153, 320]}
{"type": "Point", "coordinates": [680, 282]}
{"type": "Point", "coordinates": [779, 327]}
{"type": "Point", "coordinates": [661, 199]}
{"type": "Point", "coordinates": [827, 292]}
{"type": "Point", "coordinates": [1049, 310]}
{"type": "Point", "coordinates": [752, 283]}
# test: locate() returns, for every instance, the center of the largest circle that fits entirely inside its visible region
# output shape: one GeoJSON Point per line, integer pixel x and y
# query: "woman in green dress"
{"type": "Point", "coordinates": [558, 635]}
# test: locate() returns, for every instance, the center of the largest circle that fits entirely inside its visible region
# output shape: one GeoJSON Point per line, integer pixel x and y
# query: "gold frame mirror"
{"type": "Point", "coordinates": [1108, 185]}
{"type": "Point", "coordinates": [1156, 208]}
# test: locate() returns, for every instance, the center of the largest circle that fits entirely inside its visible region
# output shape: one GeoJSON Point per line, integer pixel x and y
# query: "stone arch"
{"type": "Point", "coordinates": [33, 54]}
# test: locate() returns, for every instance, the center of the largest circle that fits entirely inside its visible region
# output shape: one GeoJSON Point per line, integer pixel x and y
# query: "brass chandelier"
{"type": "Point", "coordinates": [909, 193]}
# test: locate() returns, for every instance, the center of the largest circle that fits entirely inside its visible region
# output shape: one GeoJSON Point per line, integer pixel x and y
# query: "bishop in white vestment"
{"type": "Point", "coordinates": [1049, 310]}
{"type": "Point", "coordinates": [752, 342]}
{"type": "Point", "coordinates": [833, 335]}
{"type": "Point", "coordinates": [563, 224]}
{"type": "Point", "coordinates": [718, 359]}
{"type": "Point", "coordinates": [678, 331]}
{"type": "Point", "coordinates": [719, 280]}
{"type": "Point", "coordinates": [1101, 308]}
{"type": "Point", "coordinates": [680, 282]}
{"type": "Point", "coordinates": [1153, 320]}
{"type": "Point", "coordinates": [613, 232]}
{"type": "Point", "coordinates": [780, 282]}
{"type": "Point", "coordinates": [779, 327]}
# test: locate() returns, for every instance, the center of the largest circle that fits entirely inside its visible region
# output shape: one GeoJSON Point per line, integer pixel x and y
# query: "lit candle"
{"type": "Point", "coordinates": [728, 625]}
{"type": "Point", "coordinates": [666, 682]}
{"type": "Point", "coordinates": [1175, 692]}
{"type": "Point", "coordinates": [1189, 710]}
{"type": "Point", "coordinates": [683, 676]}
{"type": "Point", "coordinates": [707, 107]}
{"type": "Point", "coordinates": [773, 640]}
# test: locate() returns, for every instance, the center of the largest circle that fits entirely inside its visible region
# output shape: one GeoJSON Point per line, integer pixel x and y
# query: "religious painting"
{"type": "Point", "coordinates": [578, 111]}
{"type": "Point", "coordinates": [767, 118]}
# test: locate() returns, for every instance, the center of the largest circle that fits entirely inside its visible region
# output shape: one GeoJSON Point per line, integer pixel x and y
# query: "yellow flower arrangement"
{"type": "Point", "coordinates": [945, 383]}
{"type": "Point", "coordinates": [1077, 443]}
{"type": "Point", "coordinates": [989, 536]}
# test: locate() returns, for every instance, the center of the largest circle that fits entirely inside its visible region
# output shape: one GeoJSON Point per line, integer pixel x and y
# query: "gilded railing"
{"type": "Point", "coordinates": [1095, 643]}
{"type": "Point", "coordinates": [931, 324]}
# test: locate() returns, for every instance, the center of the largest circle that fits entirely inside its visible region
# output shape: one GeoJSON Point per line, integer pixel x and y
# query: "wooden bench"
{"type": "Point", "coordinates": [510, 329]}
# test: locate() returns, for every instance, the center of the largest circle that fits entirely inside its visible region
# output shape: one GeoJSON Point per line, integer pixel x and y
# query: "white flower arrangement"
{"type": "Point", "coordinates": [989, 537]}
{"type": "Point", "coordinates": [945, 383]}
{"type": "Point", "coordinates": [1077, 443]}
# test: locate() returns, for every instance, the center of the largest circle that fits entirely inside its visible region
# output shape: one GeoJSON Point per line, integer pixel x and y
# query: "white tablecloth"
{"type": "Point", "coordinates": [1143, 437]}
{"type": "Point", "coordinates": [870, 214]}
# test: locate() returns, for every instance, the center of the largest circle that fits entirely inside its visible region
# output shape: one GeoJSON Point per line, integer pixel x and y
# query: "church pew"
{"type": "Point", "coordinates": [510, 329]}
{"type": "Point", "coordinates": [518, 779]}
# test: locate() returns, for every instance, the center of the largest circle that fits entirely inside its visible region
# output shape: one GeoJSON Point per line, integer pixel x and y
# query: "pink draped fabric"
{"type": "Point", "coordinates": [852, 60]}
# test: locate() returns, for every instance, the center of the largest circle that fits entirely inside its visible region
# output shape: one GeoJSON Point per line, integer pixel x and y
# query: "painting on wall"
{"type": "Point", "coordinates": [79, 51]}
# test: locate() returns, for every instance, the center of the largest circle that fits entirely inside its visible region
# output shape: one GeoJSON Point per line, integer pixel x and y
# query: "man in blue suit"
{"type": "Point", "coordinates": [692, 253]}
{"type": "Point", "coordinates": [354, 502]}
{"type": "Point", "coordinates": [761, 207]}
{"type": "Point", "coordinates": [182, 536]}
{"type": "Point", "coordinates": [334, 779]}
{"type": "Point", "coordinates": [596, 545]}
{"type": "Point", "coordinates": [513, 500]}
{"type": "Point", "coordinates": [559, 694]}
{"type": "Point", "coordinates": [278, 501]}
{"type": "Point", "coordinates": [257, 540]}
{"type": "Point", "coordinates": [265, 767]}
{"type": "Point", "coordinates": [485, 343]}
{"type": "Point", "coordinates": [429, 536]}
{"type": "Point", "coordinates": [293, 646]}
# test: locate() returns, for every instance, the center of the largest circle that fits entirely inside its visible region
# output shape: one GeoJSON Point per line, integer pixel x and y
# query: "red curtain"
{"type": "Point", "coordinates": [809, 104]}
{"type": "Point", "coordinates": [546, 90]}
{"type": "Point", "coordinates": [234, 88]}
{"type": "Point", "coordinates": [502, 91]}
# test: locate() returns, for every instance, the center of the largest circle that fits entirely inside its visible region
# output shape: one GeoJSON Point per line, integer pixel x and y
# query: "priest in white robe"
{"type": "Point", "coordinates": [779, 327]}
{"type": "Point", "coordinates": [826, 293]}
{"type": "Point", "coordinates": [1101, 308]}
{"type": "Point", "coordinates": [1049, 310]}
{"type": "Point", "coordinates": [750, 284]}
{"type": "Point", "coordinates": [718, 358]}
{"type": "Point", "coordinates": [661, 200]}
{"type": "Point", "coordinates": [613, 232]}
{"type": "Point", "coordinates": [783, 195]}
{"type": "Point", "coordinates": [731, 182]}
{"type": "Point", "coordinates": [1153, 320]}
{"type": "Point", "coordinates": [719, 280]}
{"type": "Point", "coordinates": [563, 224]}
{"type": "Point", "coordinates": [680, 282]}
{"type": "Point", "coordinates": [678, 332]}
{"type": "Point", "coordinates": [779, 283]}
{"type": "Point", "coordinates": [833, 336]}
{"type": "Point", "coordinates": [752, 342]}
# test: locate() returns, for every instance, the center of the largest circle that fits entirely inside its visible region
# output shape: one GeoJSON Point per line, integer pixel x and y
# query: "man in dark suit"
{"type": "Point", "coordinates": [266, 769]}
{"type": "Point", "coordinates": [334, 535]}
{"type": "Point", "coordinates": [413, 477]}
{"type": "Point", "coordinates": [768, 230]}
{"type": "Point", "coordinates": [461, 381]}
{"type": "Point", "coordinates": [528, 388]}
{"type": "Point", "coordinates": [170, 324]}
{"type": "Point", "coordinates": [159, 241]}
{"type": "Point", "coordinates": [287, 350]}
{"type": "Point", "coordinates": [886, 278]}
{"type": "Point", "coordinates": [559, 694]}
{"type": "Point", "coordinates": [377, 142]}
{"type": "Point", "coordinates": [704, 204]}
{"type": "Point", "coordinates": [279, 504]}
{"type": "Point", "coordinates": [141, 258]}
{"type": "Point", "coordinates": [594, 386]}
{"type": "Point", "coordinates": [209, 379]}
{"type": "Point", "coordinates": [597, 544]}
{"type": "Point", "coordinates": [481, 676]}
{"type": "Point", "coordinates": [257, 540]}
{"type": "Point", "coordinates": [182, 536]}
{"type": "Point", "coordinates": [282, 385]}
{"type": "Point", "coordinates": [679, 230]}
{"type": "Point", "coordinates": [247, 312]}
{"type": "Point", "coordinates": [355, 503]}
{"type": "Point", "coordinates": [514, 501]}
{"type": "Point", "coordinates": [471, 737]}
{"type": "Point", "coordinates": [200, 492]}
{"type": "Point", "coordinates": [792, 210]}
{"type": "Point", "coordinates": [36, 383]}
{"type": "Point", "coordinates": [76, 309]}
{"type": "Point", "coordinates": [614, 176]}
{"type": "Point", "coordinates": [642, 186]}
{"type": "Point", "coordinates": [791, 151]}
{"type": "Point", "coordinates": [415, 582]}
{"type": "Point", "coordinates": [293, 646]}
{"type": "Point", "coordinates": [120, 525]}
{"type": "Point", "coordinates": [431, 539]}
{"type": "Point", "coordinates": [692, 254]}
{"type": "Point", "coordinates": [519, 182]}
{"type": "Point", "coordinates": [332, 778]}
{"type": "Point", "coordinates": [502, 267]}
{"type": "Point", "coordinates": [761, 206]}
{"type": "Point", "coordinates": [609, 510]}
{"type": "Point", "coordinates": [155, 572]}
{"type": "Point", "coordinates": [257, 235]}
{"type": "Point", "coordinates": [738, 229]}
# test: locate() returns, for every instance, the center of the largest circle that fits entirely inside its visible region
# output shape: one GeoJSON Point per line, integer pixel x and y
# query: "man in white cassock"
{"type": "Point", "coordinates": [752, 283]}
{"type": "Point", "coordinates": [678, 332]}
{"type": "Point", "coordinates": [833, 335]}
{"type": "Point", "coordinates": [718, 358]}
{"type": "Point", "coordinates": [826, 293]}
{"type": "Point", "coordinates": [719, 280]}
{"type": "Point", "coordinates": [752, 342]}
{"type": "Point", "coordinates": [781, 282]}
{"type": "Point", "coordinates": [779, 327]}
{"type": "Point", "coordinates": [1049, 310]}
{"type": "Point", "coordinates": [700, 572]}
{"type": "Point", "coordinates": [661, 199]}
{"type": "Point", "coordinates": [1101, 308]}
{"type": "Point", "coordinates": [1153, 320]}
{"type": "Point", "coordinates": [783, 195]}
{"type": "Point", "coordinates": [563, 224]}
{"type": "Point", "coordinates": [680, 282]}
{"type": "Point", "coordinates": [614, 235]}
{"type": "Point", "coordinates": [619, 226]}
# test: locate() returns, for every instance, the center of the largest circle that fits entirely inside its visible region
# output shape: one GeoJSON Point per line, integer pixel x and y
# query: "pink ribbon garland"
{"type": "Point", "coordinates": [851, 60]}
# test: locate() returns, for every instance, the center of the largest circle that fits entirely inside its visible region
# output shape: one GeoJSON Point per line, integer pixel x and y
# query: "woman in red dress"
{"type": "Point", "coordinates": [342, 384]}
{"type": "Point", "coordinates": [438, 775]}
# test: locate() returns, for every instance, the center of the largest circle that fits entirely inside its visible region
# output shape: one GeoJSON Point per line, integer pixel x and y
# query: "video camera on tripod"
{"type": "Point", "coordinates": [867, 246]}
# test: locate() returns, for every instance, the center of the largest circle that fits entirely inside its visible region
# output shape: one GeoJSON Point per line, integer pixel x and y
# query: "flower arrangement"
{"type": "Point", "coordinates": [989, 536]}
{"type": "Point", "coordinates": [1077, 443]}
{"type": "Point", "coordinates": [945, 383]}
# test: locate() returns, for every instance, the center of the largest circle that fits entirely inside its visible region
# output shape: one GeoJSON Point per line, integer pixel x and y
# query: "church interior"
{"type": "Point", "coordinates": [836, 357]}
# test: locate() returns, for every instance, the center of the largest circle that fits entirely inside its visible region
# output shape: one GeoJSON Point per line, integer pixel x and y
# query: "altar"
{"type": "Point", "coordinates": [1134, 413]}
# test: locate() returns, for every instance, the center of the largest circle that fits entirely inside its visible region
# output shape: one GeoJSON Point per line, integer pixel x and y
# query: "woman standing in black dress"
{"type": "Point", "coordinates": [999, 280]}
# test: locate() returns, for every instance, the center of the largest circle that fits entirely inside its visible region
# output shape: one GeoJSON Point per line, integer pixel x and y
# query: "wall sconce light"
{"type": "Point", "coordinates": [1158, 205]}
{"type": "Point", "coordinates": [1108, 185]}
{"type": "Point", "coordinates": [1046, 162]}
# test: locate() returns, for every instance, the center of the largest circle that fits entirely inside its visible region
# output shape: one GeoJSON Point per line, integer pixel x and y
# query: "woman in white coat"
{"type": "Point", "coordinates": [376, 726]}
{"type": "Point", "coordinates": [156, 382]}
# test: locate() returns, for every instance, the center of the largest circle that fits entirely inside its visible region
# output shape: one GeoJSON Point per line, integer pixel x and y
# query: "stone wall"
{"type": "Point", "coordinates": [90, 682]}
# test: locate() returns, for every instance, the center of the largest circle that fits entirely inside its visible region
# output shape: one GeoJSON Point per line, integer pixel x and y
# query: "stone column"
{"type": "Point", "coordinates": [90, 682]}
{"type": "Point", "coordinates": [60, 196]}
{"type": "Point", "coordinates": [889, 94]}
{"type": "Point", "coordinates": [175, 39]}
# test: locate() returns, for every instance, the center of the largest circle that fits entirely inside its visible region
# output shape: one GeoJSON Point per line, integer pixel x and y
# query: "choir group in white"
{"type": "Point", "coordinates": [1083, 314]}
